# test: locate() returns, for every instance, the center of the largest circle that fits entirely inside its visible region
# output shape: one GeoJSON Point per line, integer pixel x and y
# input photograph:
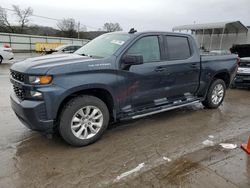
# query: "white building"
{"type": "Point", "coordinates": [217, 36]}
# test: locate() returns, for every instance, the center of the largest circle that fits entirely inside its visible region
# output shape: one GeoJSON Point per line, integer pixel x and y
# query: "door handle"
{"type": "Point", "coordinates": [160, 69]}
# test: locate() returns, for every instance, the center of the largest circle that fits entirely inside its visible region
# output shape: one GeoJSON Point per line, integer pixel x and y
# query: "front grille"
{"type": "Point", "coordinates": [42, 112]}
{"type": "Point", "coordinates": [17, 75]}
{"type": "Point", "coordinates": [242, 78]}
{"type": "Point", "coordinates": [20, 93]}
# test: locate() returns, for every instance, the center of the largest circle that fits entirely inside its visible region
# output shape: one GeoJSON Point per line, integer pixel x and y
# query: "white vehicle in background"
{"type": "Point", "coordinates": [68, 48]}
{"type": "Point", "coordinates": [6, 53]}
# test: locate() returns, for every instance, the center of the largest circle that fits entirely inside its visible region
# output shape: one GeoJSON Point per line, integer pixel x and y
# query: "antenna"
{"type": "Point", "coordinates": [132, 30]}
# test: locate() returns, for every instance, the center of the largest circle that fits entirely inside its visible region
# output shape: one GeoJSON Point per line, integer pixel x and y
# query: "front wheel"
{"type": "Point", "coordinates": [83, 120]}
{"type": "Point", "coordinates": [216, 94]}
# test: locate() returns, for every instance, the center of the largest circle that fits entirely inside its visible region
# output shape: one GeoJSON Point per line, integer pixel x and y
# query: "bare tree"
{"type": "Point", "coordinates": [68, 27]}
{"type": "Point", "coordinates": [23, 16]}
{"type": "Point", "coordinates": [111, 27]}
{"type": "Point", "coordinates": [4, 22]}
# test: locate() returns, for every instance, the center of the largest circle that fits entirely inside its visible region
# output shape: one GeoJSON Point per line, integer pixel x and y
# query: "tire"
{"type": "Point", "coordinates": [89, 111]}
{"type": "Point", "coordinates": [213, 99]}
{"type": "Point", "coordinates": [1, 59]}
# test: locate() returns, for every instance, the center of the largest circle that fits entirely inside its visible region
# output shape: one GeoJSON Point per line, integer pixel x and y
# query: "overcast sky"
{"type": "Point", "coordinates": [142, 15]}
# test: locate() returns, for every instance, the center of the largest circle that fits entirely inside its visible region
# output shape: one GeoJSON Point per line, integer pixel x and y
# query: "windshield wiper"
{"type": "Point", "coordinates": [84, 54]}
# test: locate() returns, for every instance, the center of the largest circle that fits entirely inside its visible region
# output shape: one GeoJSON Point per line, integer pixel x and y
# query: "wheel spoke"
{"type": "Point", "coordinates": [87, 111]}
{"type": "Point", "coordinates": [81, 113]}
{"type": "Point", "coordinates": [220, 87]}
{"type": "Point", "coordinates": [97, 124]}
{"type": "Point", "coordinates": [76, 126]}
{"type": "Point", "coordinates": [97, 117]}
{"type": "Point", "coordinates": [76, 119]}
{"type": "Point", "coordinates": [79, 132]}
{"type": "Point", "coordinates": [94, 112]}
{"type": "Point", "coordinates": [92, 130]}
{"type": "Point", "coordinates": [215, 99]}
{"type": "Point", "coordinates": [85, 135]}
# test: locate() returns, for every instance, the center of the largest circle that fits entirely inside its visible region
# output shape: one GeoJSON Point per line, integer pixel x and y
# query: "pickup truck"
{"type": "Point", "coordinates": [242, 78]}
{"type": "Point", "coordinates": [117, 76]}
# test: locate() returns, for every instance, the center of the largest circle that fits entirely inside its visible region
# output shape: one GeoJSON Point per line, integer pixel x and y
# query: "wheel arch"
{"type": "Point", "coordinates": [100, 92]}
{"type": "Point", "coordinates": [225, 76]}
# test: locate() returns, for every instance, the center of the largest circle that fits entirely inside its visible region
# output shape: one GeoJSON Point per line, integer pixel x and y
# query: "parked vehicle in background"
{"type": "Point", "coordinates": [69, 48]}
{"type": "Point", "coordinates": [243, 50]}
{"type": "Point", "coordinates": [6, 53]}
{"type": "Point", "coordinates": [242, 78]}
{"type": "Point", "coordinates": [117, 76]}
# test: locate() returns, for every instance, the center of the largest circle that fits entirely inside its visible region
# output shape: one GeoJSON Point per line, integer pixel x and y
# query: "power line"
{"type": "Point", "coordinates": [34, 15]}
{"type": "Point", "coordinates": [49, 18]}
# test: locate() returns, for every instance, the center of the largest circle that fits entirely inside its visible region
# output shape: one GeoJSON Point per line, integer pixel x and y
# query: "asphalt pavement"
{"type": "Point", "coordinates": [178, 148]}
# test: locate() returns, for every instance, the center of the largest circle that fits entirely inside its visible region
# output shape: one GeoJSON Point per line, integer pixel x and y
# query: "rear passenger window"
{"type": "Point", "coordinates": [177, 47]}
{"type": "Point", "coordinates": [148, 47]}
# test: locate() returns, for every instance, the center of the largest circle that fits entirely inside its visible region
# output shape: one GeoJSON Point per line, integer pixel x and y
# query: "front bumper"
{"type": "Point", "coordinates": [241, 81]}
{"type": "Point", "coordinates": [32, 114]}
{"type": "Point", "coordinates": [7, 55]}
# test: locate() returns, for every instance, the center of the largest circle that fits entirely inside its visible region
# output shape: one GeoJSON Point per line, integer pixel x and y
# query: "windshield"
{"type": "Point", "coordinates": [60, 47]}
{"type": "Point", "coordinates": [104, 45]}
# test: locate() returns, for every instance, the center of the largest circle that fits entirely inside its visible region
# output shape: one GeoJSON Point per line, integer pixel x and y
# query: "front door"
{"type": "Point", "coordinates": [142, 82]}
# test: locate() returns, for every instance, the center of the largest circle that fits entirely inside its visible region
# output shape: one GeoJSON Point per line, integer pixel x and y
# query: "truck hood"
{"type": "Point", "coordinates": [42, 64]}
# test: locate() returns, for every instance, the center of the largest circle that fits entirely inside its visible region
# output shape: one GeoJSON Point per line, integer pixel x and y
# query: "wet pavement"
{"type": "Point", "coordinates": [163, 150]}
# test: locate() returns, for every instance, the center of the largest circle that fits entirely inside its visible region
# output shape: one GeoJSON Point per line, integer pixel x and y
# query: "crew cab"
{"type": "Point", "coordinates": [117, 76]}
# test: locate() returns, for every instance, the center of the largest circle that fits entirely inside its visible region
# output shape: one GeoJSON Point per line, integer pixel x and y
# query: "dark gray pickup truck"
{"type": "Point", "coordinates": [117, 76]}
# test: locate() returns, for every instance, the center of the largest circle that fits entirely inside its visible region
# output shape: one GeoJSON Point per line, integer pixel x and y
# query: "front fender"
{"type": "Point", "coordinates": [69, 92]}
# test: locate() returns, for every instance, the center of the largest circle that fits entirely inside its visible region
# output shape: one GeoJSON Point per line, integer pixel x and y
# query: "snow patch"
{"type": "Point", "coordinates": [211, 136]}
{"type": "Point", "coordinates": [228, 145]}
{"type": "Point", "coordinates": [167, 159]}
{"type": "Point", "coordinates": [208, 143]}
{"type": "Point", "coordinates": [136, 169]}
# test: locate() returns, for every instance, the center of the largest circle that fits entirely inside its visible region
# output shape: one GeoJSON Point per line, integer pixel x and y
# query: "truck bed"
{"type": "Point", "coordinates": [215, 57]}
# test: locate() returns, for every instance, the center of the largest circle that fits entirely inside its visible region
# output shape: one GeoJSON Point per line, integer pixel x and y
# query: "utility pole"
{"type": "Point", "coordinates": [78, 28]}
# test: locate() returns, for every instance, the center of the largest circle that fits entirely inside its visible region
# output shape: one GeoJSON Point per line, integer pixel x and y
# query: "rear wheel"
{"type": "Point", "coordinates": [1, 59]}
{"type": "Point", "coordinates": [216, 94]}
{"type": "Point", "coordinates": [83, 120]}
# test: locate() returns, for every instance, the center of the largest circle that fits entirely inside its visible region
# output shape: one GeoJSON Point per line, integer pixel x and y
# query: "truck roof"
{"type": "Point", "coordinates": [153, 32]}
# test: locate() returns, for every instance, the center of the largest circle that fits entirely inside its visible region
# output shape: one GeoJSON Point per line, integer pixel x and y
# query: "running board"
{"type": "Point", "coordinates": [161, 110]}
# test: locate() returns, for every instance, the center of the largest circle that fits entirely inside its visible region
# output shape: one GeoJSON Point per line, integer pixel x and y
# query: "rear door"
{"type": "Point", "coordinates": [181, 67]}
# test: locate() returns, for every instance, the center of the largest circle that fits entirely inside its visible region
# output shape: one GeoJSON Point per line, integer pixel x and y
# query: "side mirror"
{"type": "Point", "coordinates": [132, 60]}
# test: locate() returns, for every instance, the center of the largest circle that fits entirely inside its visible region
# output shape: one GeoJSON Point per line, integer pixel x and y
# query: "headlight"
{"type": "Point", "coordinates": [42, 80]}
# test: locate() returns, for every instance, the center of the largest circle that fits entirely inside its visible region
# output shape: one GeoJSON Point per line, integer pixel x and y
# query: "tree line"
{"type": "Point", "coordinates": [66, 27]}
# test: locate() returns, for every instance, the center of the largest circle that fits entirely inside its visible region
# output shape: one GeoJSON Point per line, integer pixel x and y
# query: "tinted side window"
{"type": "Point", "coordinates": [177, 47]}
{"type": "Point", "coordinates": [148, 47]}
{"type": "Point", "coordinates": [67, 48]}
{"type": "Point", "coordinates": [76, 48]}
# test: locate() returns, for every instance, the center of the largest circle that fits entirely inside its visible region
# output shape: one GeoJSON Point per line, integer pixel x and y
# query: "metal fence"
{"type": "Point", "coordinates": [27, 43]}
